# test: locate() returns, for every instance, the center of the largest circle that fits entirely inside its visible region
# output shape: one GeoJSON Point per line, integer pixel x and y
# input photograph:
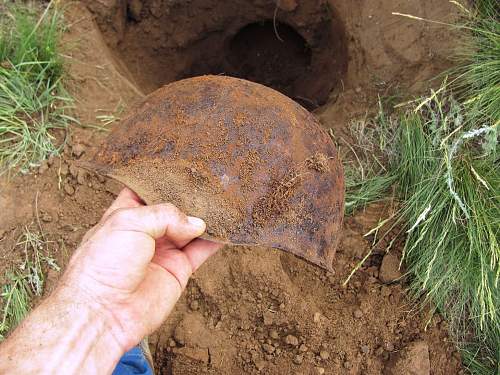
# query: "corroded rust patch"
{"type": "Point", "coordinates": [255, 165]}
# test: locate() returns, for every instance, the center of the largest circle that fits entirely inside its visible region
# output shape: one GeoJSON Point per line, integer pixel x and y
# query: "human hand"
{"type": "Point", "coordinates": [132, 267]}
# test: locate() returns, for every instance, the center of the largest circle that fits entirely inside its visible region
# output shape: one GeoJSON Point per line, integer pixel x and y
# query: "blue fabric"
{"type": "Point", "coordinates": [133, 362]}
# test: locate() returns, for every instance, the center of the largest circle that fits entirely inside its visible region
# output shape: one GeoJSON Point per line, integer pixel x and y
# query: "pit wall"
{"type": "Point", "coordinates": [162, 41]}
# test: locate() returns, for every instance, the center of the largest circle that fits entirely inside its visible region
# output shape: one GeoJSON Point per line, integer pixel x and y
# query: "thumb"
{"type": "Point", "coordinates": [127, 236]}
{"type": "Point", "coordinates": [157, 221]}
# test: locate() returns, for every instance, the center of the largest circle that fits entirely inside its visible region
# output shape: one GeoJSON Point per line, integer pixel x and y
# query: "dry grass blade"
{"type": "Point", "coordinates": [26, 280]}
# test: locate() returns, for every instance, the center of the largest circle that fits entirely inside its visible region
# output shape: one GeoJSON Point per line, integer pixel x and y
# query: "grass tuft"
{"type": "Point", "coordinates": [478, 63]}
{"type": "Point", "coordinates": [446, 172]}
{"type": "Point", "coordinates": [445, 166]}
{"type": "Point", "coordinates": [365, 171]}
{"type": "Point", "coordinates": [26, 281]}
{"type": "Point", "coordinates": [33, 102]}
{"type": "Point", "coordinates": [448, 177]}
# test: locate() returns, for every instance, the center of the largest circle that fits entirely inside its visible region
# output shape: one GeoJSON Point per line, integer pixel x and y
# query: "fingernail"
{"type": "Point", "coordinates": [197, 223]}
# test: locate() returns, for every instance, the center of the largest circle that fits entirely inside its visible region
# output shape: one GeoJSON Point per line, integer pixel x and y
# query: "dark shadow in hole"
{"type": "Point", "coordinates": [260, 53]}
{"type": "Point", "coordinates": [157, 45]}
{"type": "Point", "coordinates": [272, 57]}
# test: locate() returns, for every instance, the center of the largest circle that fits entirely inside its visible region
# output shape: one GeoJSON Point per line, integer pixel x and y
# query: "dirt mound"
{"type": "Point", "coordinates": [278, 315]}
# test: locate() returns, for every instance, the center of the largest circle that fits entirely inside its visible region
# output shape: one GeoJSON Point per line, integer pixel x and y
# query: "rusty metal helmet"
{"type": "Point", "coordinates": [255, 165]}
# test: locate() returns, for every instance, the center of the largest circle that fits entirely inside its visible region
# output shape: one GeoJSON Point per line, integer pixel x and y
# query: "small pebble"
{"type": "Point", "coordinates": [64, 170]}
{"type": "Point", "coordinates": [70, 190]}
{"type": "Point", "coordinates": [78, 150]}
{"type": "Point", "coordinates": [274, 334]}
{"type": "Point", "coordinates": [298, 359]}
{"type": "Point", "coordinates": [317, 317]}
{"type": "Point", "coordinates": [358, 314]}
{"type": "Point", "coordinates": [43, 167]}
{"type": "Point", "coordinates": [320, 370]}
{"type": "Point", "coordinates": [268, 318]}
{"type": "Point", "coordinates": [303, 348]}
{"type": "Point", "coordinates": [80, 177]}
{"type": "Point", "coordinates": [46, 217]}
{"type": "Point", "coordinates": [292, 340]}
{"type": "Point", "coordinates": [324, 355]}
{"type": "Point", "coordinates": [365, 349]}
{"type": "Point", "coordinates": [73, 170]}
{"type": "Point", "coordinates": [260, 364]}
{"type": "Point", "coordinates": [194, 305]}
{"type": "Point", "coordinates": [347, 364]}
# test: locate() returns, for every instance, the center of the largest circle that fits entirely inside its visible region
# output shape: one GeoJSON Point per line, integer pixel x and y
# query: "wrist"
{"type": "Point", "coordinates": [63, 335]}
{"type": "Point", "coordinates": [79, 303]}
{"type": "Point", "coordinates": [89, 339]}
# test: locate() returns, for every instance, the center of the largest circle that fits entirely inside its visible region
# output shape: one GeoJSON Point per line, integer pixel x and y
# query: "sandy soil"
{"type": "Point", "coordinates": [251, 309]}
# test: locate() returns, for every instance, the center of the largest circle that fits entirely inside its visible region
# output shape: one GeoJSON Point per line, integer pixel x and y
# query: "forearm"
{"type": "Point", "coordinates": [60, 337]}
{"type": "Point", "coordinates": [119, 286]}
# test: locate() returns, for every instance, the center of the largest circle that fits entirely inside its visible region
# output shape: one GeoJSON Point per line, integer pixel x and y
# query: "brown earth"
{"type": "Point", "coordinates": [256, 310]}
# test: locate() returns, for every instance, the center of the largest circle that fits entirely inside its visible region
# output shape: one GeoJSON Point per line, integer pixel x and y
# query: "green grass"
{"type": "Point", "coordinates": [33, 102]}
{"type": "Point", "coordinates": [446, 174]}
{"type": "Point", "coordinates": [16, 297]}
{"type": "Point", "coordinates": [445, 167]}
{"type": "Point", "coordinates": [365, 172]}
{"type": "Point", "coordinates": [487, 8]}
{"type": "Point", "coordinates": [448, 178]}
{"type": "Point", "coordinates": [25, 281]}
{"type": "Point", "coordinates": [478, 63]}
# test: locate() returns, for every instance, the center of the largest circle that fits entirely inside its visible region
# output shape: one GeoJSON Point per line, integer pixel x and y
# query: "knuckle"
{"type": "Point", "coordinates": [119, 217]}
{"type": "Point", "coordinates": [169, 207]}
{"type": "Point", "coordinates": [171, 210]}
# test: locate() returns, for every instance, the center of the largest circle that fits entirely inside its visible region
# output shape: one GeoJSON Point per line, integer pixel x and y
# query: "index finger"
{"type": "Point", "coordinates": [157, 221]}
{"type": "Point", "coordinates": [127, 198]}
